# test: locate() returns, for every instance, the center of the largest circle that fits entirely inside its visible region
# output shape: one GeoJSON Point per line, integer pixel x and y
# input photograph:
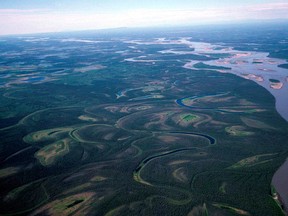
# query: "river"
{"type": "Point", "coordinates": [252, 65]}
{"type": "Point", "coordinates": [263, 70]}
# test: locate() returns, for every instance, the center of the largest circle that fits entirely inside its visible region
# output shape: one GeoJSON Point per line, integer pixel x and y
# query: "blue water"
{"type": "Point", "coordinates": [35, 79]}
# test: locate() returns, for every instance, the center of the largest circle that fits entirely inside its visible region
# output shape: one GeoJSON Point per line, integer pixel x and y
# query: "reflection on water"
{"type": "Point", "coordinates": [256, 66]}
{"type": "Point", "coordinates": [280, 181]}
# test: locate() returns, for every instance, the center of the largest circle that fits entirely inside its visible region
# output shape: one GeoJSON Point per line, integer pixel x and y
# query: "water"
{"type": "Point", "coordinates": [280, 181]}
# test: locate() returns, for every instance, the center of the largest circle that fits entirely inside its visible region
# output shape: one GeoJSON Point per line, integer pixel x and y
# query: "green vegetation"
{"type": "Point", "coordinates": [146, 137]}
{"type": "Point", "coordinates": [51, 153]}
{"type": "Point", "coordinates": [237, 131]}
{"type": "Point", "coordinates": [253, 161]}
{"type": "Point", "coordinates": [283, 66]}
{"type": "Point", "coordinates": [232, 209]}
{"type": "Point", "coordinates": [202, 65]}
{"type": "Point", "coordinates": [274, 81]}
{"type": "Point", "coordinates": [69, 203]}
{"type": "Point", "coordinates": [98, 178]}
{"type": "Point", "coordinates": [222, 188]}
{"type": "Point", "coordinates": [35, 191]}
{"type": "Point", "coordinates": [46, 135]}
{"type": "Point", "coordinates": [189, 117]}
{"type": "Point", "coordinates": [9, 171]}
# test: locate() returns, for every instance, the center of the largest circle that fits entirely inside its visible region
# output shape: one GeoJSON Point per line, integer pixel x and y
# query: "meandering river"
{"type": "Point", "coordinates": [252, 65]}
{"type": "Point", "coordinates": [258, 67]}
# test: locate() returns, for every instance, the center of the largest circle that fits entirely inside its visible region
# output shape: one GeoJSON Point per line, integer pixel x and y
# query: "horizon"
{"type": "Point", "coordinates": [30, 17]}
{"type": "Point", "coordinates": [178, 111]}
{"type": "Point", "coordinates": [258, 23]}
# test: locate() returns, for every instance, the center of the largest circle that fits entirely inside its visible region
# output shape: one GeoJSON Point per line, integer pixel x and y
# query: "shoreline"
{"type": "Point", "coordinates": [279, 182]}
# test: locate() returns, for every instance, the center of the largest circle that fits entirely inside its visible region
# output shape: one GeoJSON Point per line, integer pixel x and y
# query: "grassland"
{"type": "Point", "coordinates": [50, 153]}
{"type": "Point", "coordinates": [237, 131]}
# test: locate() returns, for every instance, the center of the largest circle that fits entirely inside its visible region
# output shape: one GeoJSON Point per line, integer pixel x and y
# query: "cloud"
{"type": "Point", "coordinates": [271, 6]}
{"type": "Point", "coordinates": [14, 21]}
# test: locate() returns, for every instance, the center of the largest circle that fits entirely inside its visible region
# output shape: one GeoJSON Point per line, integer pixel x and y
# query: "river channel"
{"type": "Point", "coordinates": [265, 71]}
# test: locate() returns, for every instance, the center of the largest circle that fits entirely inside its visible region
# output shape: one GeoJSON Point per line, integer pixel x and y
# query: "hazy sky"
{"type": "Point", "coordinates": [31, 16]}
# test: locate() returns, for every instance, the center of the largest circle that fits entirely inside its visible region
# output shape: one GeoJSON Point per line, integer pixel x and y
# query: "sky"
{"type": "Point", "coordinates": [37, 16]}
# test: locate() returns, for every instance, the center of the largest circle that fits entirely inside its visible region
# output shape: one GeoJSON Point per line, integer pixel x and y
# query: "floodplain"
{"type": "Point", "coordinates": [142, 124]}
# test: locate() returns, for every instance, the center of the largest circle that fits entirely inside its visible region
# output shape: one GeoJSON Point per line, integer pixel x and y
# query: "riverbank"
{"type": "Point", "coordinates": [279, 182]}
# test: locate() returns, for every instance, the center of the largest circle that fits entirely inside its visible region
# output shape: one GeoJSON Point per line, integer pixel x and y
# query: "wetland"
{"type": "Point", "coordinates": [185, 122]}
